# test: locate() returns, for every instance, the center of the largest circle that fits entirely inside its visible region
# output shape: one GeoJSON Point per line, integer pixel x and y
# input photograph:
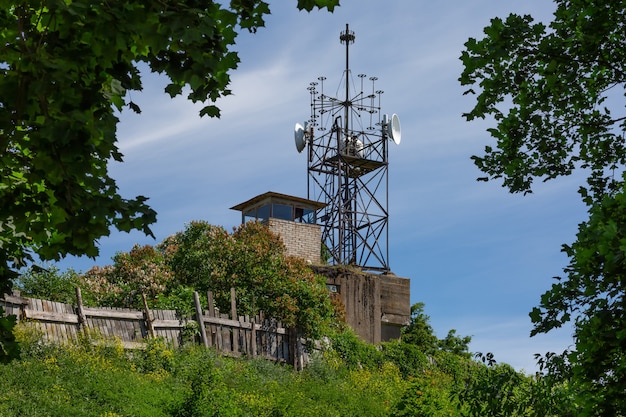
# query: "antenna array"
{"type": "Point", "coordinates": [348, 166]}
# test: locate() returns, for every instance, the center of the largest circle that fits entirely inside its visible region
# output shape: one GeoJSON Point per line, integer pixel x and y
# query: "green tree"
{"type": "Point", "coordinates": [556, 96]}
{"type": "Point", "coordinates": [143, 270]}
{"type": "Point", "coordinates": [49, 283]}
{"type": "Point", "coordinates": [65, 69]}
{"type": "Point", "coordinates": [459, 345]}
{"type": "Point", "coordinates": [419, 333]}
{"type": "Point", "coordinates": [493, 389]}
{"type": "Point", "coordinates": [253, 261]}
{"type": "Point", "coordinates": [9, 347]}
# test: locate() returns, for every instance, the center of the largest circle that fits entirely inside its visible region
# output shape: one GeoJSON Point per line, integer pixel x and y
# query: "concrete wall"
{"type": "Point", "coordinates": [301, 239]}
{"type": "Point", "coordinates": [377, 306]}
{"type": "Point", "coordinates": [395, 296]}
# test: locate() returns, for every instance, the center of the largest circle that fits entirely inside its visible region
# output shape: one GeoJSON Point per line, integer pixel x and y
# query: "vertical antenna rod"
{"type": "Point", "coordinates": [347, 37]}
{"type": "Point", "coordinates": [346, 204]}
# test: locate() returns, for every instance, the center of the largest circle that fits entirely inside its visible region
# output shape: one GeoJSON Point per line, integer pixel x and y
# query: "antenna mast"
{"type": "Point", "coordinates": [348, 167]}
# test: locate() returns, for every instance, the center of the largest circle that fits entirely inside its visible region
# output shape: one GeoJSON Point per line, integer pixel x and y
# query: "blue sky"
{"type": "Point", "coordinates": [477, 256]}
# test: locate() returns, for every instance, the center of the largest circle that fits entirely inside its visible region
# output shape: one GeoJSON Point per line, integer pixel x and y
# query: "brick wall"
{"type": "Point", "coordinates": [301, 239]}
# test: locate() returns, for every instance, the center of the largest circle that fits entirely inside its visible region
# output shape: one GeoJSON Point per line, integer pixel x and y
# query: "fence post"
{"type": "Point", "coordinates": [82, 320]}
{"type": "Point", "coordinates": [200, 319]}
{"type": "Point", "coordinates": [233, 316]}
{"type": "Point", "coordinates": [149, 319]}
{"type": "Point", "coordinates": [253, 338]}
{"type": "Point", "coordinates": [295, 349]}
{"type": "Point", "coordinates": [233, 303]}
{"type": "Point", "coordinates": [213, 328]}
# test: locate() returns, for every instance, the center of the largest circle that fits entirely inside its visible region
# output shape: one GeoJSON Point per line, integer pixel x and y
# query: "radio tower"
{"type": "Point", "coordinates": [348, 166]}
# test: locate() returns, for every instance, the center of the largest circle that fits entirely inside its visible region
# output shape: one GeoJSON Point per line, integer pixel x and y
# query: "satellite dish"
{"type": "Point", "coordinates": [298, 135]}
{"type": "Point", "coordinates": [393, 129]}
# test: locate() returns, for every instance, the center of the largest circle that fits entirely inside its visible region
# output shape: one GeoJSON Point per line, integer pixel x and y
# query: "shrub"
{"type": "Point", "coordinates": [9, 347]}
{"type": "Point", "coordinates": [49, 283]}
{"type": "Point", "coordinates": [252, 260]}
{"type": "Point", "coordinates": [141, 271]}
{"type": "Point", "coordinates": [91, 377]}
{"type": "Point", "coordinates": [353, 351]}
{"type": "Point", "coordinates": [428, 394]}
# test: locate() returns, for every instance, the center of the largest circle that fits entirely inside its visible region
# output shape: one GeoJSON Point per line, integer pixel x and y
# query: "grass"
{"type": "Point", "coordinates": [96, 377]}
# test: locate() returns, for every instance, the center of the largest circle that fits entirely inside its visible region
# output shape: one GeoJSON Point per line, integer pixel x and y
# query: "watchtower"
{"type": "Point", "coordinates": [293, 218]}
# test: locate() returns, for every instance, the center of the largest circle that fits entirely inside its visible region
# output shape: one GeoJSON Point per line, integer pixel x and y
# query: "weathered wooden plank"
{"type": "Point", "coordinates": [233, 315]}
{"type": "Point", "coordinates": [211, 304]}
{"type": "Point", "coordinates": [66, 326]}
{"type": "Point", "coordinates": [226, 336]}
{"type": "Point", "coordinates": [102, 326]}
{"type": "Point", "coordinates": [80, 310]}
{"type": "Point", "coordinates": [149, 317]}
{"type": "Point", "coordinates": [229, 334]}
{"type": "Point", "coordinates": [60, 308]}
{"type": "Point", "coordinates": [111, 327]}
{"type": "Point", "coordinates": [106, 313]}
{"type": "Point", "coordinates": [51, 316]}
{"type": "Point", "coordinates": [273, 345]}
{"type": "Point", "coordinates": [167, 324]}
{"type": "Point", "coordinates": [233, 303]}
{"type": "Point", "coordinates": [46, 306]}
{"type": "Point", "coordinates": [35, 304]}
{"type": "Point", "coordinates": [133, 345]}
{"type": "Point", "coordinates": [17, 300]}
{"type": "Point", "coordinates": [219, 342]}
{"type": "Point", "coordinates": [200, 320]}
{"type": "Point", "coordinates": [239, 324]}
{"type": "Point", "coordinates": [98, 326]}
{"type": "Point", "coordinates": [253, 351]}
{"type": "Point", "coordinates": [170, 326]}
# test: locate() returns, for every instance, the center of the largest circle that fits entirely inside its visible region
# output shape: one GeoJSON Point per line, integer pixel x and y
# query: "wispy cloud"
{"type": "Point", "coordinates": [478, 257]}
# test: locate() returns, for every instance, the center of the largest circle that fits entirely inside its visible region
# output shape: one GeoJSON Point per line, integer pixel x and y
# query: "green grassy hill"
{"type": "Point", "coordinates": [97, 377]}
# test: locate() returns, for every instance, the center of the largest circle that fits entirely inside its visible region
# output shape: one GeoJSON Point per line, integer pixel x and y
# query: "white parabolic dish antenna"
{"type": "Point", "coordinates": [298, 134]}
{"type": "Point", "coordinates": [394, 129]}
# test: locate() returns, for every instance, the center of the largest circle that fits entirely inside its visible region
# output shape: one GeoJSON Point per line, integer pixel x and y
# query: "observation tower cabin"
{"type": "Point", "coordinates": [293, 218]}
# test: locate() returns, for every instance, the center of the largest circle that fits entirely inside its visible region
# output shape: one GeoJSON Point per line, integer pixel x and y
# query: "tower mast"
{"type": "Point", "coordinates": [347, 168]}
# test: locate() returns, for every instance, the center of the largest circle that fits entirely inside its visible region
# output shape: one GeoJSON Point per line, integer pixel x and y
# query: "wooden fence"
{"type": "Point", "coordinates": [229, 334]}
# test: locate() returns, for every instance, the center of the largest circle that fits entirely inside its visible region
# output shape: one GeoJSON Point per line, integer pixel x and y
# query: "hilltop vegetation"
{"type": "Point", "coordinates": [96, 377]}
{"type": "Point", "coordinates": [418, 375]}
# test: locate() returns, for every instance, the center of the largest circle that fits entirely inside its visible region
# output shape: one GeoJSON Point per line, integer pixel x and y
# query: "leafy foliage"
{"type": "Point", "coordinates": [202, 258]}
{"type": "Point", "coordinates": [95, 377]}
{"type": "Point", "coordinates": [143, 270]}
{"type": "Point", "coordinates": [66, 68]}
{"type": "Point", "coordinates": [428, 394]}
{"type": "Point", "coordinates": [49, 283]}
{"type": "Point", "coordinates": [9, 348]}
{"type": "Point", "coordinates": [494, 390]}
{"type": "Point", "coordinates": [556, 94]}
{"type": "Point", "coordinates": [552, 92]}
{"type": "Point", "coordinates": [594, 296]}
{"type": "Point", "coordinates": [419, 333]}
{"type": "Point", "coordinates": [252, 260]}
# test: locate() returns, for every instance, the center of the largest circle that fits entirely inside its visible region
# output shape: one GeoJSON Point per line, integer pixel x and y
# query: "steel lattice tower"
{"type": "Point", "coordinates": [347, 140]}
